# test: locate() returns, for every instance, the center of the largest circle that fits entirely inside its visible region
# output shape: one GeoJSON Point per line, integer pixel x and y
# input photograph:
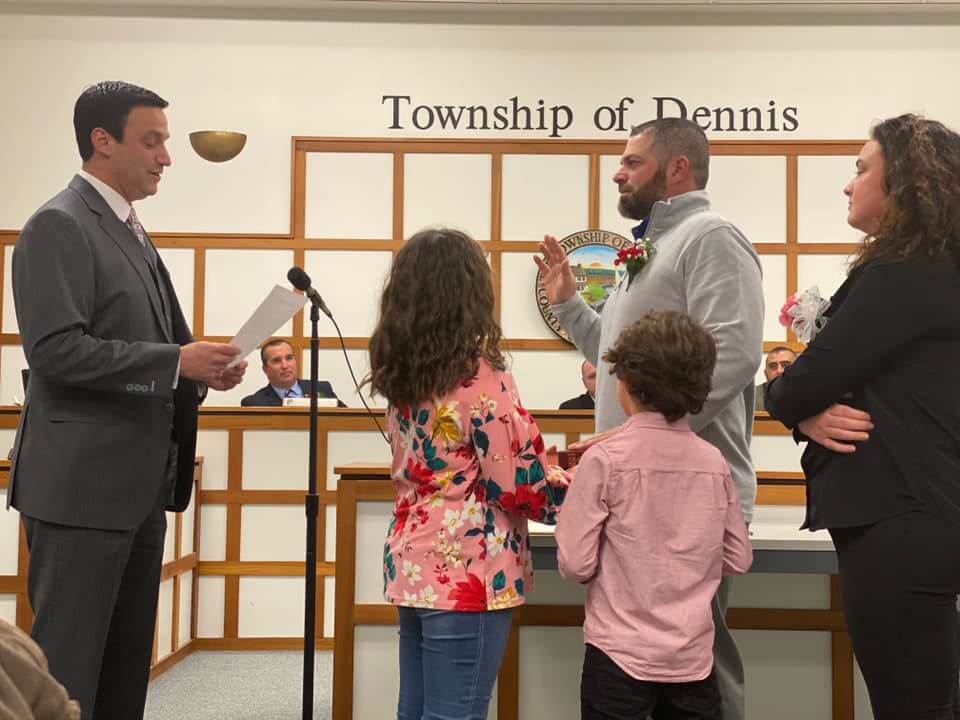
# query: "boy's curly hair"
{"type": "Point", "coordinates": [666, 362]}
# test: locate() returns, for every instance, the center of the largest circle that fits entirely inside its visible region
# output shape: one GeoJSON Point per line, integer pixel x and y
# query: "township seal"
{"type": "Point", "coordinates": [591, 254]}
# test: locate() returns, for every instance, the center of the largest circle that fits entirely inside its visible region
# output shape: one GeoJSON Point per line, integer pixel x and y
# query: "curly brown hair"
{"type": "Point", "coordinates": [666, 361]}
{"type": "Point", "coordinates": [436, 319]}
{"type": "Point", "coordinates": [921, 167]}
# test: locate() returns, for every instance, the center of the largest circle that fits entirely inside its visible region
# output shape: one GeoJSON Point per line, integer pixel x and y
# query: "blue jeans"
{"type": "Point", "coordinates": [449, 661]}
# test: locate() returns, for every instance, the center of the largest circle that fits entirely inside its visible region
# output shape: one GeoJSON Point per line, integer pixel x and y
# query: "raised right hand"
{"type": "Point", "coordinates": [205, 361]}
{"type": "Point", "coordinates": [557, 276]}
{"type": "Point", "coordinates": [838, 422]}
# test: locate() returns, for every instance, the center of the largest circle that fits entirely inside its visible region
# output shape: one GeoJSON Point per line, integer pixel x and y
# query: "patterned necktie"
{"type": "Point", "coordinates": [133, 222]}
{"type": "Point", "coordinates": [289, 393]}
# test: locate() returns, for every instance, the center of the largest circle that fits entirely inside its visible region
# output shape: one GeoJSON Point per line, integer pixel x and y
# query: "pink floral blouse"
{"type": "Point", "coordinates": [469, 470]}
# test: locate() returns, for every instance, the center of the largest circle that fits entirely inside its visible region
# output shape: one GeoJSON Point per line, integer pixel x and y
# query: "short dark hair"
{"type": "Point", "coordinates": [676, 136]}
{"type": "Point", "coordinates": [781, 348]}
{"type": "Point", "coordinates": [274, 342]}
{"type": "Point", "coordinates": [666, 361]}
{"type": "Point", "coordinates": [106, 105]}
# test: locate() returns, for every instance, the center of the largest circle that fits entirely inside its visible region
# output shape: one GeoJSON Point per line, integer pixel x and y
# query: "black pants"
{"type": "Point", "coordinates": [94, 593]}
{"type": "Point", "coordinates": [899, 579]}
{"type": "Point", "coordinates": [608, 693]}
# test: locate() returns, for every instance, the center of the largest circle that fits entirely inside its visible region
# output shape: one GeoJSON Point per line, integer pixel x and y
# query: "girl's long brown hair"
{"type": "Point", "coordinates": [436, 319]}
{"type": "Point", "coordinates": [922, 179]}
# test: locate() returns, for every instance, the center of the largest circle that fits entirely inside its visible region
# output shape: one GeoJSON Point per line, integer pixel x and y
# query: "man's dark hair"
{"type": "Point", "coordinates": [106, 105]}
{"type": "Point", "coordinates": [666, 361]}
{"type": "Point", "coordinates": [269, 344]}
{"type": "Point", "coordinates": [675, 136]}
{"type": "Point", "coordinates": [781, 348]}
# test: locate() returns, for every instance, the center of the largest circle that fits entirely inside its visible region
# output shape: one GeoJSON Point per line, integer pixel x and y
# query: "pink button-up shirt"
{"type": "Point", "coordinates": [652, 522]}
{"type": "Point", "coordinates": [469, 470]}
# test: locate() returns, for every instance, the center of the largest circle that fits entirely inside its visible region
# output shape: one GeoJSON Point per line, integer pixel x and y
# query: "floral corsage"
{"type": "Point", "coordinates": [803, 313]}
{"type": "Point", "coordinates": [635, 257]}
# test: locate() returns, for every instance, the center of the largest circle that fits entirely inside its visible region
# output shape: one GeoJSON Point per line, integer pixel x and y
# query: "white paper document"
{"type": "Point", "coordinates": [278, 307]}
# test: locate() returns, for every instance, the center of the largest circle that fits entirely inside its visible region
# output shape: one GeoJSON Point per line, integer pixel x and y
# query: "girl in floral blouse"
{"type": "Point", "coordinates": [469, 469]}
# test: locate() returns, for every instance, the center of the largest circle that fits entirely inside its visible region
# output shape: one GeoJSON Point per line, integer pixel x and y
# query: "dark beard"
{"type": "Point", "coordinates": [639, 204]}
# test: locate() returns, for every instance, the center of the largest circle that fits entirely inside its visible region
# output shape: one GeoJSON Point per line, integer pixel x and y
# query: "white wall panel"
{"type": "Point", "coordinates": [350, 282]}
{"type": "Point", "coordinates": [519, 316]}
{"type": "Point", "coordinates": [333, 368]}
{"type": "Point", "coordinates": [544, 195]}
{"type": "Point", "coordinates": [349, 195]}
{"type": "Point", "coordinates": [774, 295]}
{"type": "Point", "coordinates": [821, 204]}
{"type": "Point", "coordinates": [12, 361]}
{"type": "Point", "coordinates": [165, 619]}
{"type": "Point", "coordinates": [771, 590]}
{"type": "Point", "coordinates": [376, 681]}
{"type": "Point", "coordinates": [170, 538]}
{"type": "Point", "coordinates": [373, 519]}
{"type": "Point", "coordinates": [210, 597]}
{"type": "Point", "coordinates": [751, 192]}
{"type": "Point", "coordinates": [788, 673]}
{"type": "Point", "coordinates": [353, 447]}
{"type": "Point", "coordinates": [451, 190]}
{"type": "Point", "coordinates": [551, 660]}
{"type": "Point", "coordinates": [9, 318]}
{"type": "Point", "coordinates": [187, 527]}
{"type": "Point", "coordinates": [827, 272]}
{"type": "Point", "coordinates": [213, 446]}
{"type": "Point", "coordinates": [275, 459]}
{"type": "Point", "coordinates": [329, 604]}
{"type": "Point", "coordinates": [9, 538]}
{"type": "Point", "coordinates": [271, 607]}
{"type": "Point", "coordinates": [237, 281]}
{"type": "Point", "coordinates": [330, 535]}
{"type": "Point", "coordinates": [186, 607]}
{"type": "Point", "coordinates": [546, 378]}
{"type": "Point", "coordinates": [775, 452]}
{"type": "Point", "coordinates": [272, 532]}
{"type": "Point", "coordinates": [179, 262]}
{"type": "Point", "coordinates": [8, 608]}
{"type": "Point", "coordinates": [213, 532]}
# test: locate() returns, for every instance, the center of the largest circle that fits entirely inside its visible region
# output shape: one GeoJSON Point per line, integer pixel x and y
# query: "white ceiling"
{"type": "Point", "coordinates": [900, 11]}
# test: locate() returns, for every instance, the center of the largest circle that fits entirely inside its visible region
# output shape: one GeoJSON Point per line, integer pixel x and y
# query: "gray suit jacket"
{"type": "Point", "coordinates": [100, 415]}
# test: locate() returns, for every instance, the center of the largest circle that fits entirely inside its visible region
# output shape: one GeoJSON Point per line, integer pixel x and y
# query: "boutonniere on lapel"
{"type": "Point", "coordinates": [803, 313]}
{"type": "Point", "coordinates": [635, 257]}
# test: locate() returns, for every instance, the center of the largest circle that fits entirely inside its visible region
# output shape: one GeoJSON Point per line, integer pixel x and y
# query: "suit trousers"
{"type": "Point", "coordinates": [94, 593]}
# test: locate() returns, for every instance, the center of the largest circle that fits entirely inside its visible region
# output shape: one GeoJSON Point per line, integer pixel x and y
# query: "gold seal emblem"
{"type": "Point", "coordinates": [591, 254]}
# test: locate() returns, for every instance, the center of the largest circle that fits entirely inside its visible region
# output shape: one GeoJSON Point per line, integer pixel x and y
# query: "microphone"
{"type": "Point", "coordinates": [301, 281]}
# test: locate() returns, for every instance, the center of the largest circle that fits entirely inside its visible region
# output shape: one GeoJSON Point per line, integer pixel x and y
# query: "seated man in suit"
{"type": "Point", "coordinates": [280, 367]}
{"type": "Point", "coordinates": [778, 360]}
{"type": "Point", "coordinates": [588, 373]}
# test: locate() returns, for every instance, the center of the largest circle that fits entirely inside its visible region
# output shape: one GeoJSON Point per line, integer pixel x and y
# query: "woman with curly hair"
{"type": "Point", "coordinates": [469, 468]}
{"type": "Point", "coordinates": [877, 394]}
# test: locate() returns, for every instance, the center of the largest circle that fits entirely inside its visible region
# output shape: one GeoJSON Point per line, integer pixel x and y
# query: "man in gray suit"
{"type": "Point", "coordinates": [108, 429]}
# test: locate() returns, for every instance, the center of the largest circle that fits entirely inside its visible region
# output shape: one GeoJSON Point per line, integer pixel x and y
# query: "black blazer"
{"type": "Point", "coordinates": [891, 347]}
{"type": "Point", "coordinates": [267, 396]}
{"type": "Point", "coordinates": [580, 402]}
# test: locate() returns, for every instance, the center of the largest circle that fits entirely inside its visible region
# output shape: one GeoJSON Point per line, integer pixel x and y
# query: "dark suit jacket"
{"type": "Point", "coordinates": [893, 344]}
{"type": "Point", "coordinates": [267, 397]}
{"type": "Point", "coordinates": [580, 402]}
{"type": "Point", "coordinates": [100, 411]}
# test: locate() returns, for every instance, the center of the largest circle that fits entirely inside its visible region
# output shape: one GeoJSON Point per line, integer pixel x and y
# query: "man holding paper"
{"type": "Point", "coordinates": [108, 429]}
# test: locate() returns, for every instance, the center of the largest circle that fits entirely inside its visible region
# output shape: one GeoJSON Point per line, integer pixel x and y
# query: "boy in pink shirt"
{"type": "Point", "coordinates": [651, 523]}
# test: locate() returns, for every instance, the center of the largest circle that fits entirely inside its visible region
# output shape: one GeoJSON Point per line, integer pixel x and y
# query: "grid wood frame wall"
{"type": "Point", "coordinates": [181, 564]}
{"type": "Point", "coordinates": [296, 241]}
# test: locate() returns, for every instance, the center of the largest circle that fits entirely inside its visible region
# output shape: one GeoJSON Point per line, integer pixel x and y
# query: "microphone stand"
{"type": "Point", "coordinates": [312, 505]}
